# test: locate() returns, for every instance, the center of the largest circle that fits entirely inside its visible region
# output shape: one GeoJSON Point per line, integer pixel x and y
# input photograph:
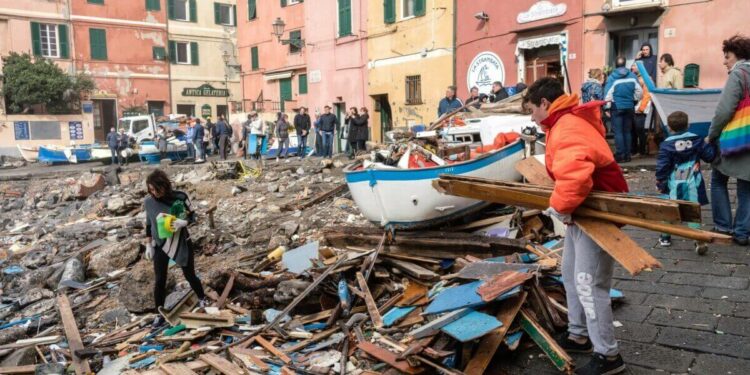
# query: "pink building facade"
{"type": "Point", "coordinates": [123, 46]}
{"type": "Point", "coordinates": [274, 74]}
{"type": "Point", "coordinates": [337, 54]}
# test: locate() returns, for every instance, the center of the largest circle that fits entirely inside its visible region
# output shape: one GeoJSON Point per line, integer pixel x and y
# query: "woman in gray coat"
{"type": "Point", "coordinates": [737, 60]}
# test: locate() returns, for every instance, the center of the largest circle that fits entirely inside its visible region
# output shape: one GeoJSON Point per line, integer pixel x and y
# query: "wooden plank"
{"type": "Point", "coordinates": [534, 171]}
{"type": "Point", "coordinates": [413, 270]}
{"type": "Point", "coordinates": [433, 327]}
{"type": "Point", "coordinates": [71, 332]}
{"type": "Point", "coordinates": [388, 357]}
{"type": "Point", "coordinates": [487, 269]}
{"type": "Point", "coordinates": [549, 346]}
{"type": "Point", "coordinates": [177, 369]}
{"type": "Point", "coordinates": [502, 283]}
{"type": "Point", "coordinates": [221, 365]}
{"type": "Point", "coordinates": [237, 352]}
{"type": "Point", "coordinates": [372, 307]}
{"type": "Point", "coordinates": [471, 326]}
{"type": "Point", "coordinates": [325, 314]}
{"type": "Point", "coordinates": [619, 245]}
{"type": "Point", "coordinates": [273, 350]}
{"type": "Point", "coordinates": [488, 345]}
{"type": "Point", "coordinates": [317, 337]}
{"type": "Point", "coordinates": [225, 294]}
{"type": "Point", "coordinates": [315, 200]}
{"type": "Point", "coordinates": [29, 369]}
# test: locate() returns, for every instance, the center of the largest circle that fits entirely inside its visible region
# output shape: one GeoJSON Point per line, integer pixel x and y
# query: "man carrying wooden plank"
{"type": "Point", "coordinates": [579, 159]}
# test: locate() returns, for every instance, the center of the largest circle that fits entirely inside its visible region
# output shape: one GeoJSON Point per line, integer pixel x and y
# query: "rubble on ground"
{"type": "Point", "coordinates": [342, 296]}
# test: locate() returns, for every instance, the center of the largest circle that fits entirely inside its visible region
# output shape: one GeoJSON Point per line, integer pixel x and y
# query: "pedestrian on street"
{"type": "Point", "coordinates": [730, 129]}
{"type": "Point", "coordinates": [224, 133]}
{"type": "Point", "coordinates": [328, 122]}
{"type": "Point", "coordinates": [498, 92]}
{"type": "Point", "coordinates": [257, 129]}
{"type": "Point", "coordinates": [647, 56]}
{"type": "Point", "coordinates": [474, 97]}
{"type": "Point", "coordinates": [351, 115]}
{"type": "Point", "coordinates": [178, 248]}
{"type": "Point", "coordinates": [198, 135]}
{"type": "Point", "coordinates": [592, 89]}
{"type": "Point", "coordinates": [318, 136]}
{"type": "Point", "coordinates": [678, 168]}
{"type": "Point", "coordinates": [161, 139]}
{"type": "Point", "coordinates": [671, 77]}
{"type": "Point", "coordinates": [245, 135]}
{"type": "Point", "coordinates": [302, 126]}
{"type": "Point", "coordinates": [622, 92]}
{"type": "Point", "coordinates": [642, 110]}
{"type": "Point", "coordinates": [123, 142]}
{"type": "Point", "coordinates": [189, 139]}
{"type": "Point", "coordinates": [282, 135]}
{"type": "Point", "coordinates": [360, 132]}
{"type": "Point", "coordinates": [213, 139]}
{"type": "Point", "coordinates": [113, 139]}
{"type": "Point", "coordinates": [450, 102]}
{"type": "Point", "coordinates": [579, 160]}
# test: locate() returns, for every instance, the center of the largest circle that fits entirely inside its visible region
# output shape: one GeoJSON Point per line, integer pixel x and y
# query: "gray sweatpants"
{"type": "Point", "coordinates": [587, 275]}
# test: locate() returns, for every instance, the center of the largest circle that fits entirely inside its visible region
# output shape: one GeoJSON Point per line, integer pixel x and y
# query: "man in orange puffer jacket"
{"type": "Point", "coordinates": [579, 159]}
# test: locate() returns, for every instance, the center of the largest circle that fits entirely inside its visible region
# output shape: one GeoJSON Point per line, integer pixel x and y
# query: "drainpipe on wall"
{"type": "Point", "coordinates": [455, 31]}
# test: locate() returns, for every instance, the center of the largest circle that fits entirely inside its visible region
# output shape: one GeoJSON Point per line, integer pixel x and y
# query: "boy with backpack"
{"type": "Point", "coordinates": [678, 168]}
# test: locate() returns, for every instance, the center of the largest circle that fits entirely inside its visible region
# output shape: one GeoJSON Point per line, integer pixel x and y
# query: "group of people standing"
{"type": "Point", "coordinates": [118, 143]}
{"type": "Point", "coordinates": [451, 102]}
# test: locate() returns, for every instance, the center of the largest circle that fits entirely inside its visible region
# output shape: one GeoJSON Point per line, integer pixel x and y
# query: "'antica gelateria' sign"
{"type": "Point", "coordinates": [205, 90]}
{"type": "Point", "coordinates": [541, 10]}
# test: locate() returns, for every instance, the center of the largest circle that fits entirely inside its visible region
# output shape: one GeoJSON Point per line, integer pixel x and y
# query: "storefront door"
{"type": "Point", "coordinates": [105, 117]}
{"type": "Point", "coordinates": [542, 62]}
{"type": "Point", "coordinates": [628, 43]}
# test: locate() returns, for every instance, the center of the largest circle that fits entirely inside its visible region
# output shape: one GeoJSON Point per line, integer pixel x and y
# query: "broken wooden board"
{"type": "Point", "coordinates": [415, 294]}
{"type": "Point", "coordinates": [273, 350]}
{"type": "Point", "coordinates": [488, 345]}
{"type": "Point", "coordinates": [471, 326]}
{"type": "Point", "coordinates": [388, 357]}
{"type": "Point", "coordinates": [177, 369]}
{"type": "Point", "coordinates": [185, 304]}
{"type": "Point", "coordinates": [372, 307]}
{"type": "Point", "coordinates": [413, 270]}
{"type": "Point", "coordinates": [197, 320]}
{"type": "Point", "coordinates": [433, 327]}
{"type": "Point", "coordinates": [619, 245]}
{"type": "Point", "coordinates": [71, 332]}
{"type": "Point", "coordinates": [487, 269]}
{"type": "Point", "coordinates": [245, 355]}
{"type": "Point", "coordinates": [549, 346]}
{"type": "Point", "coordinates": [221, 365]}
{"type": "Point", "coordinates": [225, 294]}
{"type": "Point", "coordinates": [462, 296]}
{"type": "Point", "coordinates": [502, 283]}
{"type": "Point", "coordinates": [395, 314]}
{"type": "Point", "coordinates": [29, 369]}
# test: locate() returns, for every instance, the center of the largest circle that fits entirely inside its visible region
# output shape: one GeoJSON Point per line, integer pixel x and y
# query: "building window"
{"type": "Point", "coordinates": [251, 10]}
{"type": "Point", "coordinates": [254, 62]}
{"type": "Point", "coordinates": [186, 109]}
{"type": "Point", "coordinates": [414, 90]}
{"type": "Point", "coordinates": [224, 14]}
{"type": "Point", "coordinates": [345, 17]}
{"type": "Point", "coordinates": [302, 84]}
{"type": "Point", "coordinates": [412, 8]}
{"type": "Point", "coordinates": [153, 5]}
{"type": "Point", "coordinates": [159, 53]}
{"type": "Point", "coordinates": [183, 53]}
{"type": "Point", "coordinates": [181, 10]}
{"type": "Point", "coordinates": [98, 44]}
{"type": "Point", "coordinates": [295, 45]}
{"type": "Point", "coordinates": [49, 41]}
{"type": "Point", "coordinates": [389, 11]}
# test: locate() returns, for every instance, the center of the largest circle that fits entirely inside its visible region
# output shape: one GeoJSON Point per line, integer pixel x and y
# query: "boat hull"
{"type": "Point", "coordinates": [405, 198]}
{"type": "Point", "coordinates": [30, 154]}
{"type": "Point", "coordinates": [49, 155]}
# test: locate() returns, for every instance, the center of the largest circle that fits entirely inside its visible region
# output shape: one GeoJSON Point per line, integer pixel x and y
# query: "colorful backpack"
{"type": "Point", "coordinates": [735, 138]}
{"type": "Point", "coordinates": [685, 180]}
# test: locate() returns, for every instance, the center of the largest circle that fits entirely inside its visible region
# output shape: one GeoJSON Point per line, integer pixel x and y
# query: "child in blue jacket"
{"type": "Point", "coordinates": [678, 167]}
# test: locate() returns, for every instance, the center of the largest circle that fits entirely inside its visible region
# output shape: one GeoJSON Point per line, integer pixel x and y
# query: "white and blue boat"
{"type": "Point", "coordinates": [699, 104]}
{"type": "Point", "coordinates": [57, 155]}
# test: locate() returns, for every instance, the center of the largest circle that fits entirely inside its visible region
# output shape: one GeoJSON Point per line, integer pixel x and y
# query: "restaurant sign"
{"type": "Point", "coordinates": [205, 90]}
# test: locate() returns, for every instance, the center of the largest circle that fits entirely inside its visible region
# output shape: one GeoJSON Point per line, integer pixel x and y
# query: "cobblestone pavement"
{"type": "Point", "coordinates": [692, 316]}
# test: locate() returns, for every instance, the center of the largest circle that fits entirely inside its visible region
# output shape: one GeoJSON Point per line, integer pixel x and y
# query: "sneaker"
{"type": "Point", "coordinates": [600, 365]}
{"type": "Point", "coordinates": [571, 346]}
{"type": "Point", "coordinates": [665, 242]}
{"type": "Point", "coordinates": [158, 322]}
{"type": "Point", "coordinates": [740, 241]}
{"type": "Point", "coordinates": [721, 231]}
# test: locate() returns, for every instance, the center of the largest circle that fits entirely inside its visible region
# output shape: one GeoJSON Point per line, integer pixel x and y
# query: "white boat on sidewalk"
{"type": "Point", "coordinates": [29, 153]}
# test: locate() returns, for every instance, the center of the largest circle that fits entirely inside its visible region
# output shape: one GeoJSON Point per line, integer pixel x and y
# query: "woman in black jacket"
{"type": "Point", "coordinates": [359, 133]}
{"type": "Point", "coordinates": [349, 121]}
{"type": "Point", "coordinates": [163, 200]}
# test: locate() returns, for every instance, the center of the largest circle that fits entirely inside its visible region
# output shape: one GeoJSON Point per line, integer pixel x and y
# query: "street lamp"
{"type": "Point", "coordinates": [278, 30]}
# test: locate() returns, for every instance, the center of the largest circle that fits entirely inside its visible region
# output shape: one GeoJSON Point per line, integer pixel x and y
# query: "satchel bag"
{"type": "Point", "coordinates": [735, 138]}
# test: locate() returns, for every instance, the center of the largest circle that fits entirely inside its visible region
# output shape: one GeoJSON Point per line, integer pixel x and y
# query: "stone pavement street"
{"type": "Point", "coordinates": [691, 317]}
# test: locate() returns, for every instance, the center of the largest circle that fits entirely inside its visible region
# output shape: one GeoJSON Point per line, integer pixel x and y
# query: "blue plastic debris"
{"type": "Point", "coordinates": [513, 339]}
{"type": "Point", "coordinates": [146, 348]}
{"type": "Point", "coordinates": [462, 296]}
{"type": "Point", "coordinates": [12, 270]}
{"type": "Point", "coordinates": [395, 314]}
{"type": "Point", "coordinates": [471, 326]}
{"type": "Point", "coordinates": [19, 322]}
{"type": "Point", "coordinates": [143, 363]}
{"type": "Point", "coordinates": [447, 263]}
{"type": "Point", "coordinates": [344, 296]}
{"type": "Point", "coordinates": [616, 294]}
{"type": "Point", "coordinates": [314, 326]}
{"type": "Point", "coordinates": [243, 319]}
{"type": "Point", "coordinates": [299, 260]}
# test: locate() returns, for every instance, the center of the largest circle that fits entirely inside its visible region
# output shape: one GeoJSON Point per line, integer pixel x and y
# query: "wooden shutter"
{"type": "Point", "coordinates": [62, 37]}
{"type": "Point", "coordinates": [420, 8]}
{"type": "Point", "coordinates": [345, 17]}
{"type": "Point", "coordinates": [389, 11]}
{"type": "Point", "coordinates": [98, 44]}
{"type": "Point", "coordinates": [172, 52]}
{"type": "Point", "coordinates": [251, 11]}
{"type": "Point", "coordinates": [285, 89]}
{"type": "Point", "coordinates": [234, 15]}
{"type": "Point", "coordinates": [194, 53]}
{"type": "Point", "coordinates": [302, 84]}
{"type": "Point", "coordinates": [254, 63]}
{"type": "Point", "coordinates": [283, 3]}
{"type": "Point", "coordinates": [170, 9]}
{"type": "Point", "coordinates": [193, 12]}
{"type": "Point", "coordinates": [36, 39]}
{"type": "Point", "coordinates": [217, 13]}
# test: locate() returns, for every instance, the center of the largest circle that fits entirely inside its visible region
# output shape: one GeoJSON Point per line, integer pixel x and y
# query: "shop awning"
{"type": "Point", "coordinates": [277, 76]}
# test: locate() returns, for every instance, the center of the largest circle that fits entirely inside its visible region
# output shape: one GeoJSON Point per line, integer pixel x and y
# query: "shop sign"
{"type": "Point", "coordinates": [485, 69]}
{"type": "Point", "coordinates": [542, 10]}
{"type": "Point", "coordinates": [75, 130]}
{"type": "Point", "coordinates": [205, 90]}
{"type": "Point", "coordinates": [206, 111]}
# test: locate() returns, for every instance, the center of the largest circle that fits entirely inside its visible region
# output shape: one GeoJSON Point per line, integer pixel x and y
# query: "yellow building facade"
{"type": "Point", "coordinates": [410, 61]}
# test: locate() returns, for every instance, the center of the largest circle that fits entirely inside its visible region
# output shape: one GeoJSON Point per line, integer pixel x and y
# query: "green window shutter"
{"type": "Point", "coordinates": [283, 3]}
{"type": "Point", "coordinates": [217, 13]}
{"type": "Point", "coordinates": [98, 44]}
{"type": "Point", "coordinates": [36, 39]}
{"type": "Point", "coordinates": [96, 1]}
{"type": "Point", "coordinates": [193, 12]}
{"type": "Point", "coordinates": [234, 15]}
{"type": "Point", "coordinates": [172, 52]}
{"type": "Point", "coordinates": [62, 37]}
{"type": "Point", "coordinates": [302, 84]}
{"type": "Point", "coordinates": [285, 89]}
{"type": "Point", "coordinates": [251, 11]}
{"type": "Point", "coordinates": [170, 9]}
{"type": "Point", "coordinates": [420, 8]}
{"type": "Point", "coordinates": [345, 17]}
{"type": "Point", "coordinates": [159, 53]}
{"type": "Point", "coordinates": [254, 63]}
{"type": "Point", "coordinates": [153, 4]}
{"type": "Point", "coordinates": [194, 53]}
{"type": "Point", "coordinates": [389, 11]}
